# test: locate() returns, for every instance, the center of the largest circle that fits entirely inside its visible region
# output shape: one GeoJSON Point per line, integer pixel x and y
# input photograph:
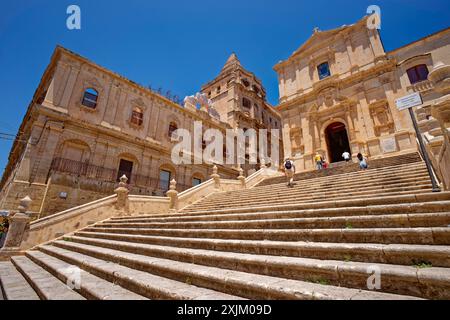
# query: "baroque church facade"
{"type": "Point", "coordinates": [86, 126]}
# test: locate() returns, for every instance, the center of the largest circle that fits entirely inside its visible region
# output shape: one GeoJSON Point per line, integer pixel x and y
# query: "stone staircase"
{"type": "Point", "coordinates": [321, 239]}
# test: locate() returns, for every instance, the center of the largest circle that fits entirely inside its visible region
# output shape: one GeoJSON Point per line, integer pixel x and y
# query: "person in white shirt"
{"type": "Point", "coordinates": [289, 171]}
{"type": "Point", "coordinates": [346, 156]}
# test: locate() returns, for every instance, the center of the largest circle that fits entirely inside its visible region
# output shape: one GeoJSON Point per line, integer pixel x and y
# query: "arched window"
{"type": "Point", "coordinates": [417, 73]}
{"type": "Point", "coordinates": [172, 128]}
{"type": "Point", "coordinates": [137, 116]}
{"type": "Point", "coordinates": [164, 179]}
{"type": "Point", "coordinates": [196, 180]}
{"type": "Point", "coordinates": [90, 98]}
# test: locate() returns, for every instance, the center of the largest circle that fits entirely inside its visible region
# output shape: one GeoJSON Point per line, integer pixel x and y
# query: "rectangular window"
{"type": "Point", "coordinates": [246, 103]}
{"type": "Point", "coordinates": [324, 70]}
{"type": "Point", "coordinates": [164, 180]}
{"type": "Point", "coordinates": [137, 117]}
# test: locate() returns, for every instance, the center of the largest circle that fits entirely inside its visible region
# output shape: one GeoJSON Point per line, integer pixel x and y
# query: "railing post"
{"type": "Point", "coordinates": [173, 195]}
{"type": "Point", "coordinates": [122, 195]}
{"type": "Point", "coordinates": [19, 224]}
{"type": "Point", "coordinates": [241, 178]}
{"type": "Point", "coordinates": [215, 176]}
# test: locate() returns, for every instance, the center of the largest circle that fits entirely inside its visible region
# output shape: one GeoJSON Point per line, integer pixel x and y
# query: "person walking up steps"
{"type": "Point", "coordinates": [362, 161]}
{"type": "Point", "coordinates": [319, 161]}
{"type": "Point", "coordinates": [289, 171]}
{"type": "Point", "coordinates": [346, 156]}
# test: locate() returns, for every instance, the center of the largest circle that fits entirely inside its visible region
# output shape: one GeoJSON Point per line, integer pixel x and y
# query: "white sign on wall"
{"type": "Point", "coordinates": [409, 101]}
{"type": "Point", "coordinates": [388, 145]}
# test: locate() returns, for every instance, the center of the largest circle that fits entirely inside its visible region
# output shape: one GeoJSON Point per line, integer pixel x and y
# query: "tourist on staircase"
{"type": "Point", "coordinates": [289, 171]}
{"type": "Point", "coordinates": [319, 161]}
{"type": "Point", "coordinates": [362, 161]}
{"type": "Point", "coordinates": [346, 155]}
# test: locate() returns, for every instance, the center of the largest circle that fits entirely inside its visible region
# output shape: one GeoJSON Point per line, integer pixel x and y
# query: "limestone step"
{"type": "Point", "coordinates": [435, 236]}
{"type": "Point", "coordinates": [44, 283]}
{"type": "Point", "coordinates": [387, 175]}
{"type": "Point", "coordinates": [431, 283]}
{"type": "Point", "coordinates": [394, 177]}
{"type": "Point", "coordinates": [441, 219]}
{"type": "Point", "coordinates": [372, 210]}
{"type": "Point", "coordinates": [373, 165]}
{"type": "Point", "coordinates": [238, 283]}
{"type": "Point", "coordinates": [274, 200]}
{"type": "Point", "coordinates": [402, 254]}
{"type": "Point", "coordinates": [402, 169]}
{"type": "Point", "coordinates": [142, 283]}
{"type": "Point", "coordinates": [90, 286]}
{"type": "Point", "coordinates": [335, 203]}
{"type": "Point", "coordinates": [409, 202]}
{"type": "Point", "coordinates": [13, 285]}
{"type": "Point", "coordinates": [307, 190]}
{"type": "Point", "coordinates": [301, 186]}
{"type": "Point", "coordinates": [413, 178]}
{"type": "Point", "coordinates": [306, 200]}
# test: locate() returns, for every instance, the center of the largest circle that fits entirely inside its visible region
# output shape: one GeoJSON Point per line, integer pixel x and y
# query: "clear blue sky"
{"type": "Point", "coordinates": [181, 44]}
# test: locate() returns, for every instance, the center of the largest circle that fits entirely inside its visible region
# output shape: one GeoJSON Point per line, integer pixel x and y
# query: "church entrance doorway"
{"type": "Point", "coordinates": [337, 141]}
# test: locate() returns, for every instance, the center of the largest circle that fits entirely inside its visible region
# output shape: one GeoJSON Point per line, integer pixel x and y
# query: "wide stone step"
{"type": "Point", "coordinates": [322, 189]}
{"type": "Point", "coordinates": [142, 283]}
{"type": "Point", "coordinates": [351, 168]}
{"type": "Point", "coordinates": [335, 203]}
{"type": "Point", "coordinates": [403, 254]}
{"type": "Point", "coordinates": [435, 206]}
{"type": "Point", "coordinates": [436, 236]}
{"type": "Point", "coordinates": [345, 194]}
{"type": "Point", "coordinates": [394, 171]}
{"type": "Point", "coordinates": [249, 285]}
{"type": "Point", "coordinates": [381, 221]}
{"type": "Point", "coordinates": [352, 182]}
{"type": "Point", "coordinates": [386, 178]}
{"type": "Point", "coordinates": [44, 283]}
{"type": "Point", "coordinates": [13, 285]}
{"type": "Point", "coordinates": [300, 187]}
{"type": "Point", "coordinates": [88, 285]}
{"type": "Point", "coordinates": [415, 200]}
{"type": "Point", "coordinates": [431, 283]}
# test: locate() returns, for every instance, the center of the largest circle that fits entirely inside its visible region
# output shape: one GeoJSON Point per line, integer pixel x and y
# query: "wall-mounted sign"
{"type": "Point", "coordinates": [409, 101]}
{"type": "Point", "coordinates": [388, 145]}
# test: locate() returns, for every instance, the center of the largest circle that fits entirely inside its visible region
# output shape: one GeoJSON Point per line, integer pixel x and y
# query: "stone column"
{"type": "Point", "coordinates": [122, 191]}
{"type": "Point", "coordinates": [173, 195]}
{"type": "Point", "coordinates": [19, 224]}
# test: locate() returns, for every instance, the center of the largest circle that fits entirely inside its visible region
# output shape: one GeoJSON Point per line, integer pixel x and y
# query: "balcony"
{"type": "Point", "coordinates": [422, 86]}
{"type": "Point", "coordinates": [90, 171]}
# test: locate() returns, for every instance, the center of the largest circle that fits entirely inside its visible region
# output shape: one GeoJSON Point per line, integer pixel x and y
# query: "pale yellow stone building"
{"type": "Point", "coordinates": [87, 125]}
{"type": "Point", "coordinates": [338, 92]}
